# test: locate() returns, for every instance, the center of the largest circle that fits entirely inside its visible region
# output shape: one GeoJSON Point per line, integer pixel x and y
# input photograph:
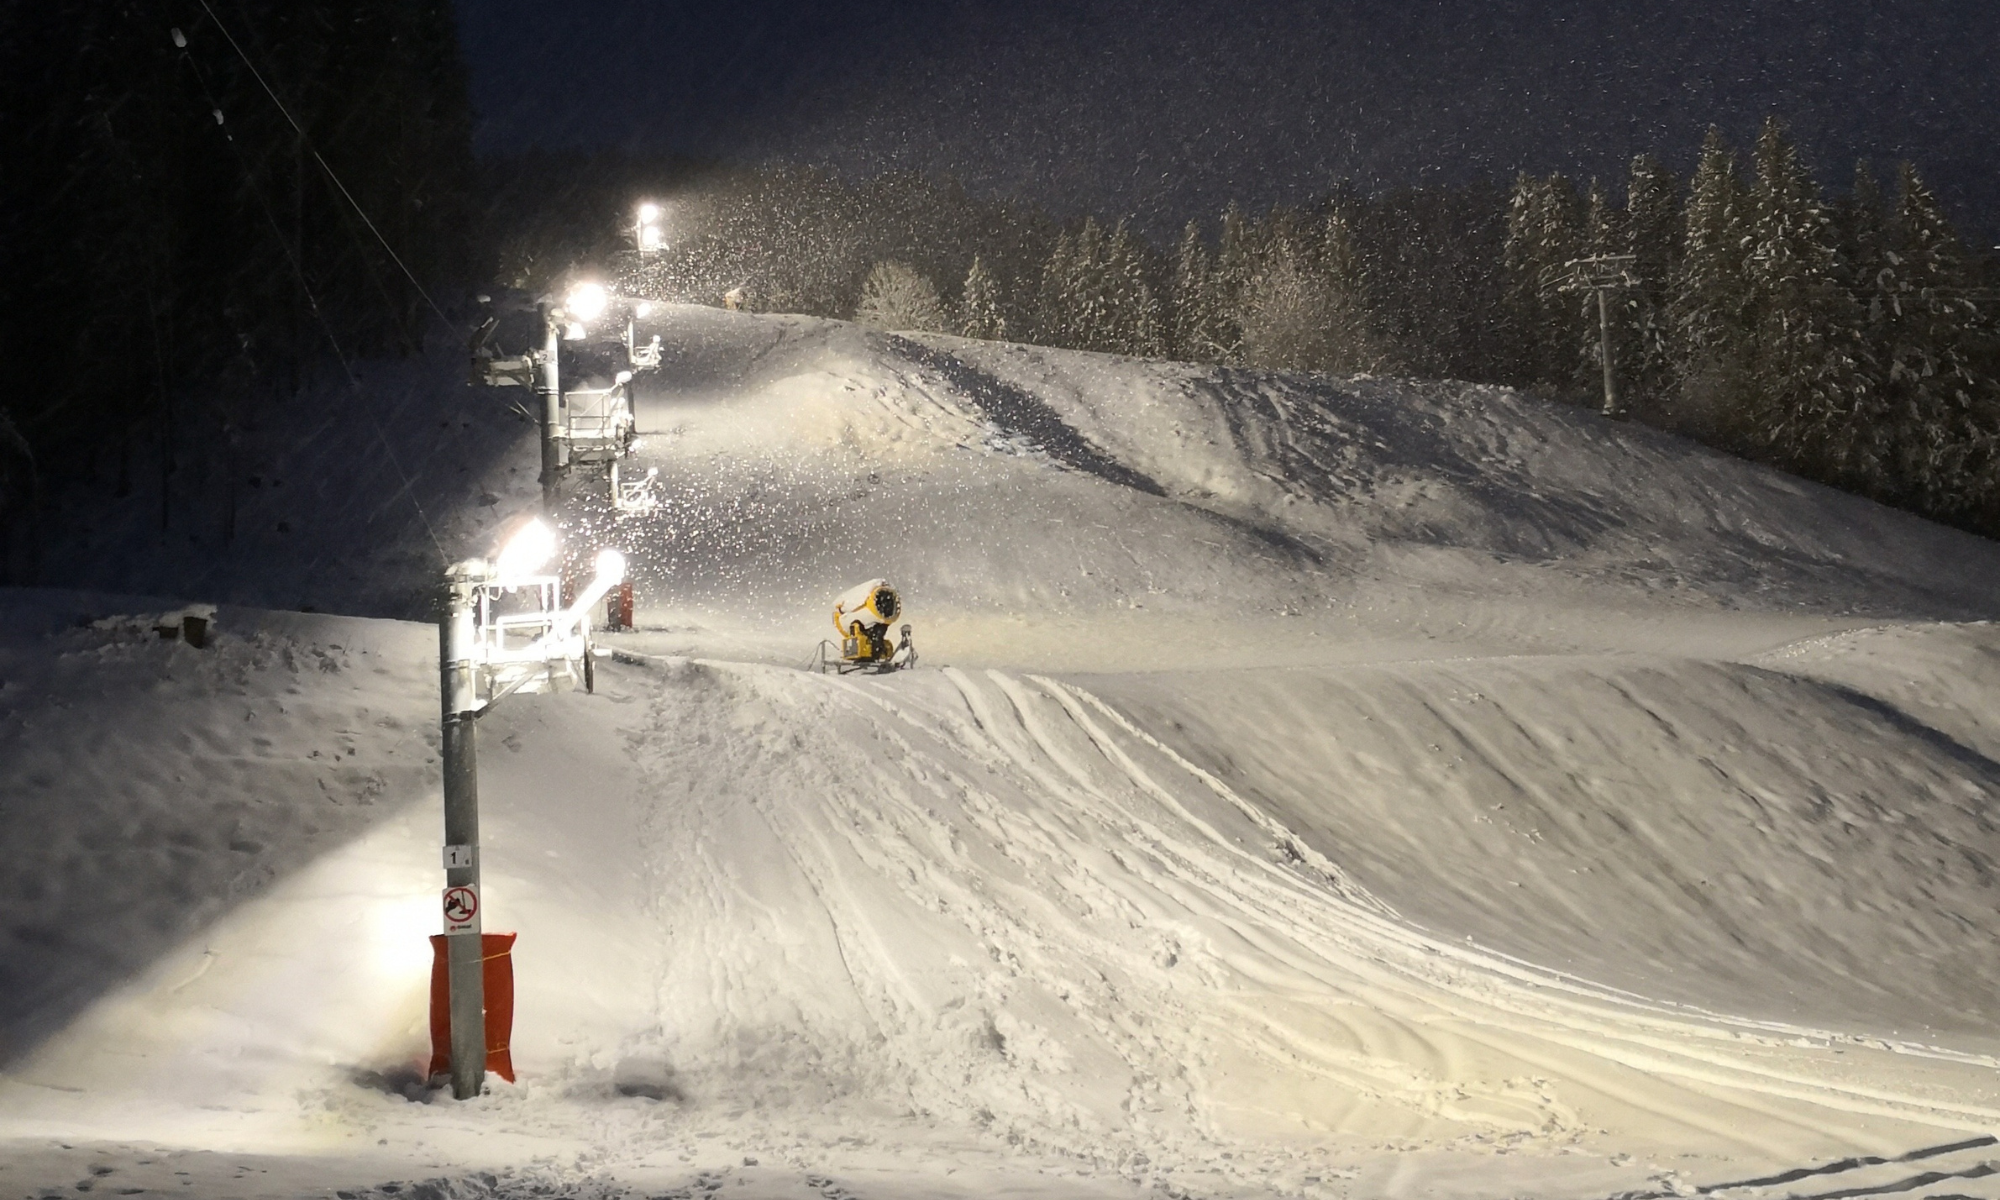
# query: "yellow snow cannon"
{"type": "Point", "coordinates": [863, 615]}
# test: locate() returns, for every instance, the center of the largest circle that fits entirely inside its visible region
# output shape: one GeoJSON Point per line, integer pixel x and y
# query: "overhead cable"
{"type": "Point", "coordinates": [330, 173]}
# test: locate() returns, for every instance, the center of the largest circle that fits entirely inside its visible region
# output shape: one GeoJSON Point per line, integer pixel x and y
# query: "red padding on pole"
{"type": "Point", "coordinates": [618, 609]}
{"type": "Point", "coordinates": [497, 963]}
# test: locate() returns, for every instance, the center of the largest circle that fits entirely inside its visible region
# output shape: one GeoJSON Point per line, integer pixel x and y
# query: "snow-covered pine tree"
{"type": "Point", "coordinates": [1862, 221]}
{"type": "Point", "coordinates": [1353, 344]}
{"type": "Point", "coordinates": [1119, 290]}
{"type": "Point", "coordinates": [1604, 229]}
{"type": "Point", "coordinates": [1132, 318]}
{"type": "Point", "coordinates": [1653, 221]}
{"type": "Point", "coordinates": [1809, 402]}
{"type": "Point", "coordinates": [1287, 312]}
{"type": "Point", "coordinates": [1235, 261]}
{"type": "Point", "coordinates": [897, 296]}
{"type": "Point", "coordinates": [1863, 265]}
{"type": "Point", "coordinates": [1544, 232]}
{"type": "Point", "coordinates": [1053, 320]}
{"type": "Point", "coordinates": [1653, 231]}
{"type": "Point", "coordinates": [1149, 329]}
{"type": "Point", "coordinates": [1709, 312]}
{"type": "Point", "coordinates": [979, 314]}
{"type": "Point", "coordinates": [1945, 411]}
{"type": "Point", "coordinates": [1290, 227]}
{"type": "Point", "coordinates": [1088, 304]}
{"type": "Point", "coordinates": [1196, 334]}
{"type": "Point", "coordinates": [1305, 309]}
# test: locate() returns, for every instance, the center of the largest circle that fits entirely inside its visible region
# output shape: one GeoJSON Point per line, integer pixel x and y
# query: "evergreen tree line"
{"type": "Point", "coordinates": [174, 259]}
{"type": "Point", "coordinates": [1848, 340]}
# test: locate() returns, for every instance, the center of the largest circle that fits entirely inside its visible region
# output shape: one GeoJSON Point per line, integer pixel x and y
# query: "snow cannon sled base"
{"type": "Point", "coordinates": [862, 616]}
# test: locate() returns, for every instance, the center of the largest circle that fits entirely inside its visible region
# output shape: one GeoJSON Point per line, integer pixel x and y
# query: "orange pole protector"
{"type": "Point", "coordinates": [496, 961]}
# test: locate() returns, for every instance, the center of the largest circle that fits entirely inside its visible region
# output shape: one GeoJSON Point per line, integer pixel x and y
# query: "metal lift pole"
{"type": "Point", "coordinates": [1601, 274]}
{"type": "Point", "coordinates": [1604, 344]}
{"type": "Point", "coordinates": [552, 422]}
{"type": "Point", "coordinates": [467, 976]}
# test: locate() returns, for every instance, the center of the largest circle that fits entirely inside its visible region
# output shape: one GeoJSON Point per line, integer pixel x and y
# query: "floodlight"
{"type": "Point", "coordinates": [648, 213]}
{"type": "Point", "coordinates": [645, 309]}
{"type": "Point", "coordinates": [527, 551]}
{"type": "Point", "coordinates": [624, 377]}
{"type": "Point", "coordinates": [585, 301]}
{"type": "Point", "coordinates": [610, 569]}
{"type": "Point", "coordinates": [650, 237]}
{"type": "Point", "coordinates": [574, 332]}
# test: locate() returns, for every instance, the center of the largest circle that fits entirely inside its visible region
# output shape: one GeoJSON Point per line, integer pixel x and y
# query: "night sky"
{"type": "Point", "coordinates": [1164, 110]}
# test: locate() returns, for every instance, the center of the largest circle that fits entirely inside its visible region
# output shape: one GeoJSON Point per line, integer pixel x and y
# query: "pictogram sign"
{"type": "Point", "coordinates": [461, 909]}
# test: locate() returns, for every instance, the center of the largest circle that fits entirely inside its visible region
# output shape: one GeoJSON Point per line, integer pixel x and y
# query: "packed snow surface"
{"type": "Point", "coordinates": [1308, 787]}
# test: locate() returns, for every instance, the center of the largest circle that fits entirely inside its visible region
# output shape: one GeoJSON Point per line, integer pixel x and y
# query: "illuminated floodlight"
{"type": "Point", "coordinates": [610, 567]}
{"type": "Point", "coordinates": [573, 332]}
{"type": "Point", "coordinates": [586, 301]}
{"type": "Point", "coordinates": [527, 551]}
{"type": "Point", "coordinates": [650, 237]}
{"type": "Point", "coordinates": [623, 377]}
{"type": "Point", "coordinates": [645, 309]}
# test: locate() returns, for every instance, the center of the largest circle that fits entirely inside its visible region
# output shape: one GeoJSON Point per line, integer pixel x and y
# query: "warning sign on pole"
{"type": "Point", "coordinates": [461, 909]}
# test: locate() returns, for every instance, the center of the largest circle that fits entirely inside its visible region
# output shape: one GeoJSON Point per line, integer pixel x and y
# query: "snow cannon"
{"type": "Point", "coordinates": [863, 615]}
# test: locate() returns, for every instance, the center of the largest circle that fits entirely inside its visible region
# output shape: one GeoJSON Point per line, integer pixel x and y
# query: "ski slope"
{"type": "Point", "coordinates": [1309, 787]}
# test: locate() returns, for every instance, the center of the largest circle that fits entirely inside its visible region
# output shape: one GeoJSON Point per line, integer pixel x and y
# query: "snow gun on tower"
{"type": "Point", "coordinates": [863, 615]}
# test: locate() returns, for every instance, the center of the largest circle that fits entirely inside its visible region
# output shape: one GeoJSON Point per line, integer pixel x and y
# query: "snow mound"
{"type": "Point", "coordinates": [1062, 509]}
